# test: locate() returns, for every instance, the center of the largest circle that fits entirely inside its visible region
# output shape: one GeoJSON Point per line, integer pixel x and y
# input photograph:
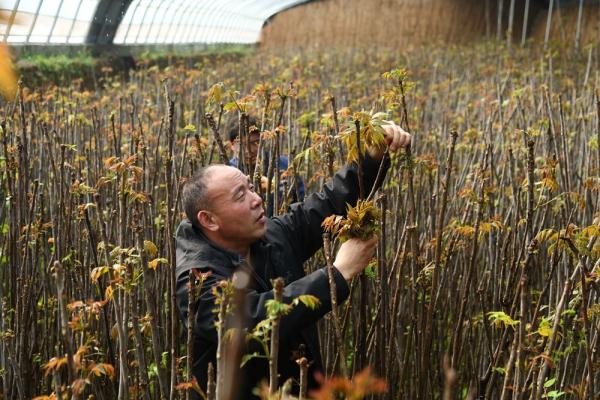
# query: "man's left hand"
{"type": "Point", "coordinates": [395, 138]}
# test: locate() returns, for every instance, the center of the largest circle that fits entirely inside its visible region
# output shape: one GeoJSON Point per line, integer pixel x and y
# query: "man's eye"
{"type": "Point", "coordinates": [251, 188]}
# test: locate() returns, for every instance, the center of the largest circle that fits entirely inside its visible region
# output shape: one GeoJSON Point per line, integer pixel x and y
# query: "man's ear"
{"type": "Point", "coordinates": [207, 220]}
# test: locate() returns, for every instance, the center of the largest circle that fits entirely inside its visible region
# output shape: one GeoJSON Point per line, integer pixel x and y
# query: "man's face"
{"type": "Point", "coordinates": [252, 149]}
{"type": "Point", "coordinates": [235, 208]}
{"type": "Point", "coordinates": [253, 141]}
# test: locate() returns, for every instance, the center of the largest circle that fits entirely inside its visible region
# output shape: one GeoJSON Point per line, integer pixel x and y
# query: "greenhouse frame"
{"type": "Point", "coordinates": [136, 22]}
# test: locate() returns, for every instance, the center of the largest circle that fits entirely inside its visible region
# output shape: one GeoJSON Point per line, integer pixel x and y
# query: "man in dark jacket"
{"type": "Point", "coordinates": [226, 230]}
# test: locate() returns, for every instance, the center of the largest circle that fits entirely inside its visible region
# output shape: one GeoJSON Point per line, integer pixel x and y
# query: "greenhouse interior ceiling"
{"type": "Point", "coordinates": [135, 22]}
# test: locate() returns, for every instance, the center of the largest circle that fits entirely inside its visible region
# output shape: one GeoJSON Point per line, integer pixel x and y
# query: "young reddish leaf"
{"type": "Point", "coordinates": [55, 363]}
{"type": "Point", "coordinates": [103, 369]}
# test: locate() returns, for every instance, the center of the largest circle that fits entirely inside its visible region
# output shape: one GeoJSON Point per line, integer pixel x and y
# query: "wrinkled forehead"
{"type": "Point", "coordinates": [222, 181]}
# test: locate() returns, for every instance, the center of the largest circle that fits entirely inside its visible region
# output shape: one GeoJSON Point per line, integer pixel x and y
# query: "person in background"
{"type": "Point", "coordinates": [296, 190]}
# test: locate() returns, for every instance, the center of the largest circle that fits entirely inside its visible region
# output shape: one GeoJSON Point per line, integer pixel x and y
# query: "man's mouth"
{"type": "Point", "coordinates": [261, 218]}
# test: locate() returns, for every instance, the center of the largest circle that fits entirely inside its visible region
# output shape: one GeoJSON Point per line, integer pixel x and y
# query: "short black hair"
{"type": "Point", "coordinates": [193, 195]}
{"type": "Point", "coordinates": [234, 132]}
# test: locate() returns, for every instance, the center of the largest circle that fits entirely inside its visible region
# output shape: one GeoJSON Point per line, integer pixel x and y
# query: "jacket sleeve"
{"type": "Point", "coordinates": [302, 225]}
{"type": "Point", "coordinates": [316, 284]}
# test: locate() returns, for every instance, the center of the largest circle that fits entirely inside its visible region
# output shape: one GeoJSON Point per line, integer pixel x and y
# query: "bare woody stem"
{"type": "Point", "coordinates": [190, 329]}
{"type": "Point", "coordinates": [466, 283]}
{"type": "Point", "coordinates": [553, 336]}
{"type": "Point", "coordinates": [276, 172]}
{"type": "Point", "coordinates": [404, 106]}
{"type": "Point", "coordinates": [170, 242]}
{"type": "Point", "coordinates": [361, 183]}
{"type": "Point", "coordinates": [270, 172]}
{"type": "Point", "coordinates": [361, 335]}
{"type": "Point", "coordinates": [379, 177]}
{"type": "Point", "coordinates": [137, 309]}
{"type": "Point", "coordinates": [438, 251]}
{"type": "Point", "coordinates": [530, 189]}
{"type": "Point", "coordinates": [303, 363]}
{"type": "Point", "coordinates": [339, 336]}
{"type": "Point", "coordinates": [598, 127]}
{"type": "Point", "coordinates": [117, 306]}
{"type": "Point", "coordinates": [59, 275]}
{"type": "Point", "coordinates": [210, 385]}
{"type": "Point", "coordinates": [589, 387]}
{"type": "Point", "coordinates": [215, 130]}
{"type": "Point", "coordinates": [411, 215]}
{"type": "Point", "coordinates": [587, 333]}
{"type": "Point", "coordinates": [330, 153]}
{"type": "Point", "coordinates": [244, 143]}
{"type": "Point", "coordinates": [222, 314]}
{"type": "Point", "coordinates": [516, 351]}
{"type": "Point", "coordinates": [564, 299]}
{"type": "Point", "coordinates": [334, 112]}
{"type": "Point", "coordinates": [149, 281]}
{"type": "Point", "coordinates": [274, 351]}
{"type": "Point", "coordinates": [449, 379]}
{"type": "Point", "coordinates": [257, 173]}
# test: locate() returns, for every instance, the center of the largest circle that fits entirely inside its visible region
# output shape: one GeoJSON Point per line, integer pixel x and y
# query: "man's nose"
{"type": "Point", "coordinates": [257, 200]}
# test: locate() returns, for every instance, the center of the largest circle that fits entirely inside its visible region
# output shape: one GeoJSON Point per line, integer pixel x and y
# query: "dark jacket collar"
{"type": "Point", "coordinates": [195, 250]}
{"type": "Point", "coordinates": [193, 247]}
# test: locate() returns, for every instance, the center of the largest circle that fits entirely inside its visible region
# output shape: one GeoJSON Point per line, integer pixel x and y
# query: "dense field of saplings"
{"type": "Point", "coordinates": [486, 279]}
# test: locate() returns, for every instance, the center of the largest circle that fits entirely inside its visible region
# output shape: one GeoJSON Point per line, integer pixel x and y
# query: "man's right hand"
{"type": "Point", "coordinates": [354, 255]}
{"type": "Point", "coordinates": [395, 138]}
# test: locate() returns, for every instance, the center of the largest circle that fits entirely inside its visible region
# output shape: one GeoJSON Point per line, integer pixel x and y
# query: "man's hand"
{"type": "Point", "coordinates": [354, 255]}
{"type": "Point", "coordinates": [395, 137]}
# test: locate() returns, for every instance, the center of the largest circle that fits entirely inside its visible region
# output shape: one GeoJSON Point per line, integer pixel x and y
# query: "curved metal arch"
{"type": "Point", "coordinates": [192, 26]}
{"type": "Point", "coordinates": [35, 17]}
{"type": "Point", "coordinates": [196, 25]}
{"type": "Point", "coordinates": [144, 14]}
{"type": "Point", "coordinates": [233, 17]}
{"type": "Point", "coordinates": [130, 24]}
{"type": "Point", "coordinates": [230, 18]}
{"type": "Point", "coordinates": [212, 33]}
{"type": "Point", "coordinates": [188, 26]}
{"type": "Point", "coordinates": [109, 15]}
{"type": "Point", "coordinates": [209, 17]}
{"type": "Point", "coordinates": [179, 14]}
{"type": "Point", "coordinates": [156, 4]}
{"type": "Point", "coordinates": [106, 21]}
{"type": "Point", "coordinates": [250, 30]}
{"type": "Point", "coordinates": [240, 23]}
{"type": "Point", "coordinates": [73, 21]}
{"type": "Point", "coordinates": [164, 8]}
{"type": "Point", "coordinates": [260, 7]}
{"type": "Point", "coordinates": [223, 33]}
{"type": "Point", "coordinates": [255, 10]}
{"type": "Point", "coordinates": [226, 11]}
{"type": "Point", "coordinates": [185, 28]}
{"type": "Point", "coordinates": [203, 9]}
{"type": "Point", "coordinates": [163, 19]}
{"type": "Point", "coordinates": [273, 7]}
{"type": "Point", "coordinates": [51, 32]}
{"type": "Point", "coordinates": [237, 15]}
